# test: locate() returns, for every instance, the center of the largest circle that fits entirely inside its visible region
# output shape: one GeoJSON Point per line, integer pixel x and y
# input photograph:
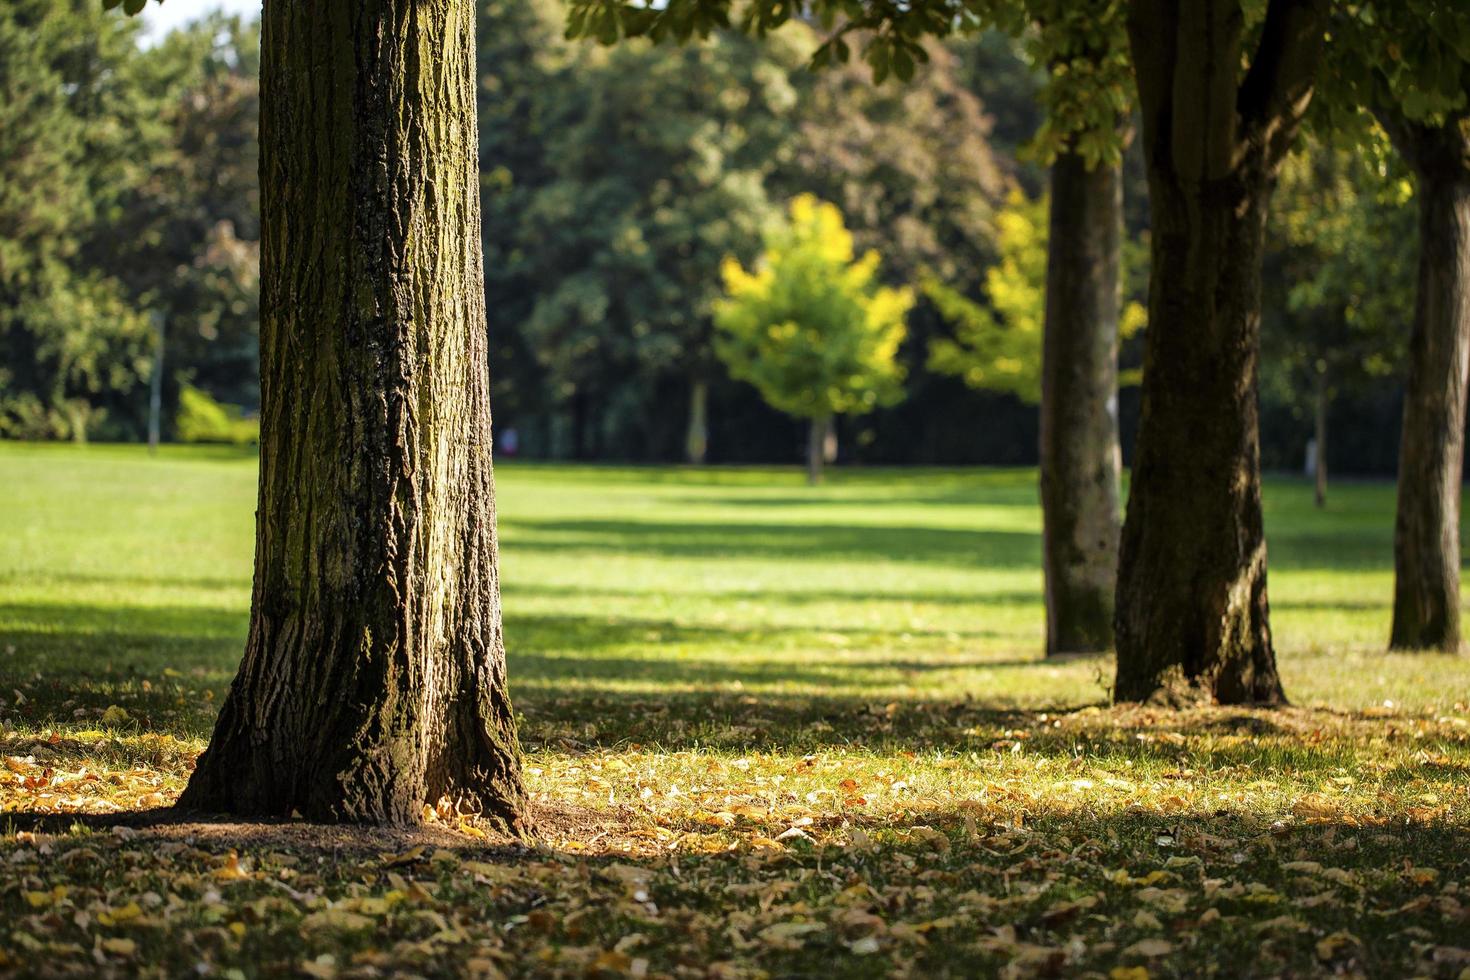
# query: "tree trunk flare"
{"type": "Point", "coordinates": [373, 681]}
{"type": "Point", "coordinates": [816, 438]}
{"type": "Point", "coordinates": [696, 440]}
{"type": "Point", "coordinates": [1426, 595]}
{"type": "Point", "coordinates": [1192, 610]}
{"type": "Point", "coordinates": [1080, 458]}
{"type": "Point", "coordinates": [1319, 445]}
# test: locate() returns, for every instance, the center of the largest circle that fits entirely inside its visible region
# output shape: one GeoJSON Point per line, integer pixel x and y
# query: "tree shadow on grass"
{"type": "Point", "coordinates": [785, 597]}
{"type": "Point", "coordinates": [973, 549]}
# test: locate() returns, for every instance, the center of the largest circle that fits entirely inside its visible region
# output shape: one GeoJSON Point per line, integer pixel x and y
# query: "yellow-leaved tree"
{"type": "Point", "coordinates": [998, 347]}
{"type": "Point", "coordinates": [811, 327]}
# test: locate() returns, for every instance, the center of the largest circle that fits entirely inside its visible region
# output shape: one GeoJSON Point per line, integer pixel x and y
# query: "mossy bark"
{"type": "Point", "coordinates": [1080, 460]}
{"type": "Point", "coordinates": [373, 681]}
{"type": "Point", "coordinates": [1192, 611]}
{"type": "Point", "coordinates": [1426, 599]}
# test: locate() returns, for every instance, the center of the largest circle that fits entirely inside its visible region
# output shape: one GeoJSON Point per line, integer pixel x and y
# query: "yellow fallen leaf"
{"type": "Point", "coordinates": [230, 870]}
{"type": "Point", "coordinates": [120, 947]}
{"type": "Point", "coordinates": [1150, 948]}
{"type": "Point", "coordinates": [787, 935]}
{"type": "Point", "coordinates": [335, 918]}
{"type": "Point", "coordinates": [114, 715]}
{"type": "Point", "coordinates": [117, 916]}
{"type": "Point", "coordinates": [1329, 947]}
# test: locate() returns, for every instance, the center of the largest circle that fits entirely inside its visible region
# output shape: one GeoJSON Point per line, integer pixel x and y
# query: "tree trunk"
{"type": "Point", "coordinates": [1080, 459]}
{"type": "Point", "coordinates": [1319, 442]}
{"type": "Point", "coordinates": [829, 442]}
{"type": "Point", "coordinates": [696, 440]}
{"type": "Point", "coordinates": [1426, 595]}
{"type": "Point", "coordinates": [373, 682]}
{"type": "Point", "coordinates": [155, 385]}
{"type": "Point", "coordinates": [816, 438]}
{"type": "Point", "coordinates": [1192, 615]}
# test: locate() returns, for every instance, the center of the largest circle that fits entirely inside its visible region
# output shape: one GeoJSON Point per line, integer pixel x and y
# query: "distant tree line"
{"type": "Point", "coordinates": [614, 183]}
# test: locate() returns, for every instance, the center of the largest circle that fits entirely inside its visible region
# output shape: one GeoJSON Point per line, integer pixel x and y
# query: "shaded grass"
{"type": "Point", "coordinates": [707, 661]}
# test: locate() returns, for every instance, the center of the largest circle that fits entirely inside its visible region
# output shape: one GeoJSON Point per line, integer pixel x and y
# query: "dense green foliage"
{"type": "Point", "coordinates": [1339, 299]}
{"type": "Point", "coordinates": [705, 661]}
{"type": "Point", "coordinates": [811, 327]}
{"type": "Point", "coordinates": [609, 205]}
{"type": "Point", "coordinates": [127, 194]}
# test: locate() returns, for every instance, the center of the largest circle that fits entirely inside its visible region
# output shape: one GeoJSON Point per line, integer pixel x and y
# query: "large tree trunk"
{"type": "Point", "coordinates": [373, 681]}
{"type": "Point", "coordinates": [1192, 614]}
{"type": "Point", "coordinates": [1080, 459]}
{"type": "Point", "coordinates": [696, 439]}
{"type": "Point", "coordinates": [1426, 595]}
{"type": "Point", "coordinates": [816, 439]}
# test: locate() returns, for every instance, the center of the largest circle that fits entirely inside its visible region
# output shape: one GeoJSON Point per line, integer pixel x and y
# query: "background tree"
{"type": "Point", "coordinates": [373, 682]}
{"type": "Point", "coordinates": [811, 328]}
{"type": "Point", "coordinates": [1409, 65]}
{"type": "Point", "coordinates": [186, 238]}
{"type": "Point", "coordinates": [1332, 322]}
{"type": "Point", "coordinates": [1083, 48]}
{"type": "Point", "coordinates": [73, 137]}
{"type": "Point", "coordinates": [649, 194]}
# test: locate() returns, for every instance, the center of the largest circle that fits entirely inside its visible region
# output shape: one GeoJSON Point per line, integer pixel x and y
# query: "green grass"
{"type": "Point", "coordinates": [705, 660]}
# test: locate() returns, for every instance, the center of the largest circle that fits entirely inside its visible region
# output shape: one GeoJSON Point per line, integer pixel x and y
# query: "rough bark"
{"type": "Point", "coordinates": [1426, 599]}
{"type": "Point", "coordinates": [1080, 459]}
{"type": "Point", "coordinates": [1192, 616]}
{"type": "Point", "coordinates": [373, 681]}
{"type": "Point", "coordinates": [816, 439]}
{"type": "Point", "coordinates": [696, 439]}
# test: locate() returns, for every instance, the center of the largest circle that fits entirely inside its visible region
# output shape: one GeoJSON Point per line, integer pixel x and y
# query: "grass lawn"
{"type": "Point", "coordinates": [769, 730]}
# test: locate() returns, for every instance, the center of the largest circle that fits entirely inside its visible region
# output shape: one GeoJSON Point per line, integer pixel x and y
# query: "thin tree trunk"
{"type": "Point", "coordinates": [373, 682]}
{"type": "Point", "coordinates": [816, 437]}
{"type": "Point", "coordinates": [1192, 616]}
{"type": "Point", "coordinates": [829, 442]}
{"type": "Point", "coordinates": [1319, 442]}
{"type": "Point", "coordinates": [1426, 600]}
{"type": "Point", "coordinates": [1080, 459]}
{"type": "Point", "coordinates": [155, 386]}
{"type": "Point", "coordinates": [580, 425]}
{"type": "Point", "coordinates": [696, 440]}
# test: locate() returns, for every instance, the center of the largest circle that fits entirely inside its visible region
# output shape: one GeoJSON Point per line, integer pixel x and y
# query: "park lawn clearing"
{"type": "Point", "coordinates": [768, 731]}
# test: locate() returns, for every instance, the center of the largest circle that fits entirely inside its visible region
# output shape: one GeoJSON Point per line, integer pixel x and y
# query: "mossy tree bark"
{"type": "Point", "coordinates": [1080, 459]}
{"type": "Point", "coordinates": [1192, 613]}
{"type": "Point", "coordinates": [1426, 595]}
{"type": "Point", "coordinates": [373, 680]}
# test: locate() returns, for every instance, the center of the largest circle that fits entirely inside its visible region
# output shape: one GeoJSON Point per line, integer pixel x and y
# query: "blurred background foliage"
{"type": "Point", "coordinates": [615, 182]}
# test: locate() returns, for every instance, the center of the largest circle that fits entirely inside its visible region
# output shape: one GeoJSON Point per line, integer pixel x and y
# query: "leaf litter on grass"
{"type": "Point", "coordinates": [925, 837]}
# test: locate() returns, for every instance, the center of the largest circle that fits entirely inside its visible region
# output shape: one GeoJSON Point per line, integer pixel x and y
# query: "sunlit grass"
{"type": "Point", "coordinates": [812, 727]}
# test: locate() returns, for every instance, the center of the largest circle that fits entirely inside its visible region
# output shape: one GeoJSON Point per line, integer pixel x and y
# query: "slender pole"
{"type": "Point", "coordinates": [155, 392]}
{"type": "Point", "coordinates": [1320, 463]}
